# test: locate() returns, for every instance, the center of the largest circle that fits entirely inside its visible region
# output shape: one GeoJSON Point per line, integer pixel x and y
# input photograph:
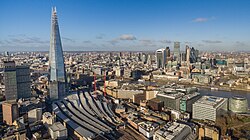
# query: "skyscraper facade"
{"type": "Point", "coordinates": [160, 58]}
{"type": "Point", "coordinates": [16, 80]}
{"type": "Point", "coordinates": [167, 54]}
{"type": "Point", "coordinates": [56, 61]}
{"type": "Point", "coordinates": [187, 54]}
{"type": "Point", "coordinates": [177, 51]}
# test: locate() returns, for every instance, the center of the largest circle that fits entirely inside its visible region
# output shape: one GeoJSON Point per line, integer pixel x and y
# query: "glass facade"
{"type": "Point", "coordinates": [56, 60]}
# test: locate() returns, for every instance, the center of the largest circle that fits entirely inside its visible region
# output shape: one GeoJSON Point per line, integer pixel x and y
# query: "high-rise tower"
{"type": "Point", "coordinates": [160, 58]}
{"type": "Point", "coordinates": [56, 61]}
{"type": "Point", "coordinates": [177, 52]}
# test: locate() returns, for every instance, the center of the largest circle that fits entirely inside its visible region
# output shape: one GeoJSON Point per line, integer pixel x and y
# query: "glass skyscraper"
{"type": "Point", "coordinates": [56, 61]}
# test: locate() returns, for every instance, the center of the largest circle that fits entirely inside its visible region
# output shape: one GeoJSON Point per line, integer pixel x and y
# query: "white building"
{"type": "Point", "coordinates": [160, 58]}
{"type": "Point", "coordinates": [58, 131]}
{"type": "Point", "coordinates": [208, 107]}
{"type": "Point", "coordinates": [35, 115]}
{"type": "Point", "coordinates": [148, 128]}
{"type": "Point", "coordinates": [48, 118]}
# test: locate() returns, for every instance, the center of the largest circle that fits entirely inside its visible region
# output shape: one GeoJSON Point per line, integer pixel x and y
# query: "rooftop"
{"type": "Point", "coordinates": [171, 130]}
{"type": "Point", "coordinates": [210, 100]}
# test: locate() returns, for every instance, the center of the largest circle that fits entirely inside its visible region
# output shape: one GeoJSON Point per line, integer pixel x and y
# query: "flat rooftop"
{"type": "Point", "coordinates": [171, 130]}
{"type": "Point", "coordinates": [172, 95]}
{"type": "Point", "coordinates": [190, 96]}
{"type": "Point", "coordinates": [210, 100]}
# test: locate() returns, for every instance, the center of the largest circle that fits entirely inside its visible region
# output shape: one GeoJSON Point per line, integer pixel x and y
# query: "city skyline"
{"type": "Point", "coordinates": [126, 25]}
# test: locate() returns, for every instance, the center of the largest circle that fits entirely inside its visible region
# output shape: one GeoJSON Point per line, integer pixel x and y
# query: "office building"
{"type": "Point", "coordinates": [171, 99]}
{"type": "Point", "coordinates": [187, 101]}
{"type": "Point", "coordinates": [238, 104]}
{"type": "Point", "coordinates": [174, 131]}
{"type": "Point", "coordinates": [187, 54]}
{"type": "Point", "coordinates": [177, 52]}
{"type": "Point", "coordinates": [35, 115]}
{"type": "Point", "coordinates": [160, 58]}
{"type": "Point", "coordinates": [167, 54]}
{"type": "Point", "coordinates": [208, 107]}
{"type": "Point", "coordinates": [10, 81]}
{"type": "Point", "coordinates": [10, 112]}
{"type": "Point", "coordinates": [207, 132]}
{"type": "Point", "coordinates": [16, 80]}
{"type": "Point", "coordinates": [58, 131]}
{"type": "Point", "coordinates": [23, 81]}
{"type": "Point", "coordinates": [148, 128]}
{"type": "Point", "coordinates": [56, 61]}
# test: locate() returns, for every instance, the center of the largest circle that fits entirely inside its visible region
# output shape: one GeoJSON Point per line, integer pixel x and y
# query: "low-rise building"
{"type": "Point", "coordinates": [58, 131]}
{"type": "Point", "coordinates": [148, 128]}
{"type": "Point", "coordinates": [174, 131]}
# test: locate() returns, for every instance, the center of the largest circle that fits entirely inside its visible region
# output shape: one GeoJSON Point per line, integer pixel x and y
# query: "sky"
{"type": "Point", "coordinates": [126, 25]}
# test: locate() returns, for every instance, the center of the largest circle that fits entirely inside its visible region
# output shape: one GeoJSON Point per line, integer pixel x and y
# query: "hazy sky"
{"type": "Point", "coordinates": [132, 25]}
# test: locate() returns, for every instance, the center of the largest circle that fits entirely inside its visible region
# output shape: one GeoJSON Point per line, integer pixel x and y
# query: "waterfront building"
{"type": "Point", "coordinates": [238, 104]}
{"type": "Point", "coordinates": [56, 61]}
{"type": "Point", "coordinates": [208, 107]}
{"type": "Point", "coordinates": [187, 101]}
{"type": "Point", "coordinates": [170, 99]}
{"type": "Point", "coordinates": [160, 58]}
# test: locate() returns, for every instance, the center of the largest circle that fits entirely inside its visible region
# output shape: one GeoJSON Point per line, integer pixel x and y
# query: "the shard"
{"type": "Point", "coordinates": [56, 61]}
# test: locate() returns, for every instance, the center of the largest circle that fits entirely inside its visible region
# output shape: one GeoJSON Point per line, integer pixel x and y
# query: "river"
{"type": "Point", "coordinates": [226, 94]}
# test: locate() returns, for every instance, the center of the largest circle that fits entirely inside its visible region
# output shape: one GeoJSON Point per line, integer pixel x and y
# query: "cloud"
{"type": "Point", "coordinates": [87, 41]}
{"type": "Point", "coordinates": [100, 36]}
{"type": "Point", "coordinates": [127, 37]}
{"type": "Point", "coordinates": [203, 19]}
{"type": "Point", "coordinates": [165, 41]}
{"type": "Point", "coordinates": [26, 40]}
{"type": "Point", "coordinates": [66, 39]}
{"type": "Point", "coordinates": [212, 41]}
{"type": "Point", "coordinates": [113, 42]}
{"type": "Point", "coordinates": [146, 41]}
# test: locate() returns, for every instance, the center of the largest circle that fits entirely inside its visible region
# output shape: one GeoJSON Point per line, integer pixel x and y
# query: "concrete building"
{"type": "Point", "coordinates": [10, 112]}
{"type": "Point", "coordinates": [174, 131]}
{"type": "Point", "coordinates": [171, 99]}
{"type": "Point", "coordinates": [208, 132]}
{"type": "Point", "coordinates": [208, 107]}
{"type": "Point", "coordinates": [148, 128]}
{"type": "Point", "coordinates": [58, 131]}
{"type": "Point", "coordinates": [155, 104]}
{"type": "Point", "coordinates": [35, 115]}
{"type": "Point", "coordinates": [48, 118]}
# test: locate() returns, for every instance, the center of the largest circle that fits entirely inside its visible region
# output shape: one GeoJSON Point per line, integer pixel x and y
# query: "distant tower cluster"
{"type": "Point", "coordinates": [56, 61]}
{"type": "Point", "coordinates": [160, 58]}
